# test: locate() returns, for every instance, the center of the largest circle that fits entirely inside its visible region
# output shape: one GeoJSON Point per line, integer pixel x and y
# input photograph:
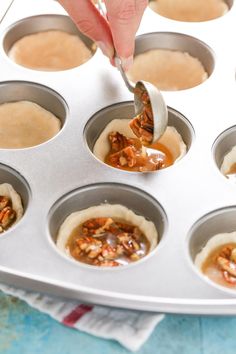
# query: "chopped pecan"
{"type": "Point", "coordinates": [129, 244]}
{"type": "Point", "coordinates": [226, 251]}
{"type": "Point", "coordinates": [143, 125]}
{"type": "Point", "coordinates": [125, 157]}
{"type": "Point", "coordinates": [108, 252]}
{"type": "Point", "coordinates": [233, 255]}
{"type": "Point", "coordinates": [118, 141]}
{"type": "Point", "coordinates": [96, 226]}
{"type": "Point", "coordinates": [7, 217]}
{"type": "Point", "coordinates": [227, 266]}
{"type": "Point", "coordinates": [229, 278]}
{"type": "Point", "coordinates": [126, 227]}
{"type": "Point", "coordinates": [4, 201]}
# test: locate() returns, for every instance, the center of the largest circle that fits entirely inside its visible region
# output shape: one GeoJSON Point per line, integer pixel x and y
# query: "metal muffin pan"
{"type": "Point", "coordinates": [62, 174]}
{"type": "Point", "coordinates": [41, 23]}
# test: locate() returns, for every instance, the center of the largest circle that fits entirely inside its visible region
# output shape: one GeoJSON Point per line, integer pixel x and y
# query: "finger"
{"type": "Point", "coordinates": [124, 17]}
{"type": "Point", "coordinates": [88, 19]}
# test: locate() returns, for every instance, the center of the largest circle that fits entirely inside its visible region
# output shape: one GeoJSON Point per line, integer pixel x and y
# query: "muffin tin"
{"type": "Point", "coordinates": [188, 202]}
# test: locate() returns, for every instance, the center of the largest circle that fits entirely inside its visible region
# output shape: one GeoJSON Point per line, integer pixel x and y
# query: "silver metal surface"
{"type": "Point", "coordinates": [62, 175]}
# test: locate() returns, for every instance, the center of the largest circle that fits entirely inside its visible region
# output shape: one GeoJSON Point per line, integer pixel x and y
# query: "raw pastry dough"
{"type": "Point", "coordinates": [168, 70]}
{"type": "Point", "coordinates": [50, 51]}
{"type": "Point", "coordinates": [190, 10]}
{"type": "Point", "coordinates": [24, 124]}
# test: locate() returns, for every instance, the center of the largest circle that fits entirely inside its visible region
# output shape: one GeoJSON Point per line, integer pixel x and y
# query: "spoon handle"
{"type": "Point", "coordinates": [128, 84]}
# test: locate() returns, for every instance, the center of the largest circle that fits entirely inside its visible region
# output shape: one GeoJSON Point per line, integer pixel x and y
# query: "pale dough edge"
{"type": "Point", "coordinates": [228, 161]}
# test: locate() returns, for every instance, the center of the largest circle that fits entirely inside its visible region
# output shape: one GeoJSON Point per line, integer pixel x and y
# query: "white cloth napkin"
{"type": "Point", "coordinates": [129, 328]}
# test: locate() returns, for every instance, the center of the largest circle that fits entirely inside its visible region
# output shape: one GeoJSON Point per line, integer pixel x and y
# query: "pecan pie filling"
{"type": "Point", "coordinates": [138, 154]}
{"type": "Point", "coordinates": [220, 265]}
{"type": "Point", "coordinates": [129, 154]}
{"type": "Point", "coordinates": [7, 214]}
{"type": "Point", "coordinates": [108, 242]}
{"type": "Point", "coordinates": [143, 124]}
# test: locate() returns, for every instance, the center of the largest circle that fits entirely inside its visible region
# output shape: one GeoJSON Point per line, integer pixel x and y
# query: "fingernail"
{"type": "Point", "coordinates": [127, 62]}
{"type": "Point", "coordinates": [109, 52]}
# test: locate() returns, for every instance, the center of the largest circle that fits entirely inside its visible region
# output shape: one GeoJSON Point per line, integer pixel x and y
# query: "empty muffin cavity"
{"type": "Point", "coordinates": [30, 114]}
{"type": "Point", "coordinates": [191, 10]}
{"type": "Point", "coordinates": [171, 61]}
{"type": "Point", "coordinates": [113, 122]}
{"type": "Point", "coordinates": [48, 43]}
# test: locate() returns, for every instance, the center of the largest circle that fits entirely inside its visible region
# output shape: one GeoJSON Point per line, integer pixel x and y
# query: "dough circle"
{"type": "Point", "coordinates": [50, 51]}
{"type": "Point", "coordinates": [190, 10]}
{"type": "Point", "coordinates": [24, 124]}
{"type": "Point", "coordinates": [168, 70]}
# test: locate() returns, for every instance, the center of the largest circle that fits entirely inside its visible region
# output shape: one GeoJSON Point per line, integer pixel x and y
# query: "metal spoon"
{"type": "Point", "coordinates": [158, 106]}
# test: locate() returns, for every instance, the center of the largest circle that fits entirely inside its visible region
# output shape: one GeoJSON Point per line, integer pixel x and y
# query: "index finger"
{"type": "Point", "coordinates": [124, 17]}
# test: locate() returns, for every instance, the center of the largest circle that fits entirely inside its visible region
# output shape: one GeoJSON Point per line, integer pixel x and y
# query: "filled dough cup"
{"type": "Point", "coordinates": [176, 140]}
{"type": "Point", "coordinates": [120, 206]}
{"type": "Point", "coordinates": [191, 10]}
{"type": "Point", "coordinates": [171, 61]}
{"type": "Point", "coordinates": [14, 199]}
{"type": "Point", "coordinates": [212, 248]}
{"type": "Point", "coordinates": [47, 43]}
{"type": "Point", "coordinates": [30, 114]}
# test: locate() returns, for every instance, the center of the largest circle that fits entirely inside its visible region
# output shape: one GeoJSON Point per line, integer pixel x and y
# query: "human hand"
{"type": "Point", "coordinates": [115, 34]}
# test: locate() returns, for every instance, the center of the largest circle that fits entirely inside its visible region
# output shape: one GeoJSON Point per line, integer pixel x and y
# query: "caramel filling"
{"type": "Point", "coordinates": [232, 171]}
{"type": "Point", "coordinates": [107, 242]}
{"type": "Point", "coordinates": [129, 154]}
{"type": "Point", "coordinates": [220, 266]}
{"type": "Point", "coordinates": [143, 125]}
